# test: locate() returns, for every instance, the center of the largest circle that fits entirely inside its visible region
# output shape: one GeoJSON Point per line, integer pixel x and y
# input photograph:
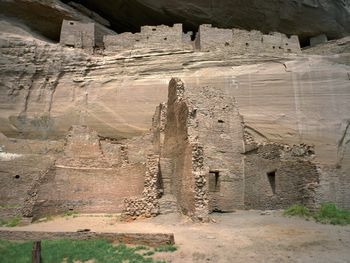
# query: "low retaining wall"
{"type": "Point", "coordinates": [147, 239]}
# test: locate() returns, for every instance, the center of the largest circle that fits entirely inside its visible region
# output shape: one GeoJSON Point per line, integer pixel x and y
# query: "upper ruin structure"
{"type": "Point", "coordinates": [77, 34]}
{"type": "Point", "coordinates": [165, 37]}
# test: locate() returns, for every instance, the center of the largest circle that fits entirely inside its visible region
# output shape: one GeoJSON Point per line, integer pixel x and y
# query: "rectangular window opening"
{"type": "Point", "coordinates": [272, 180]}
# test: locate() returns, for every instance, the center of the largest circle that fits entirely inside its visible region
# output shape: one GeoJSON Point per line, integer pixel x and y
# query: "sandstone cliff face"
{"type": "Point", "coordinates": [46, 88]}
{"type": "Point", "coordinates": [291, 99]}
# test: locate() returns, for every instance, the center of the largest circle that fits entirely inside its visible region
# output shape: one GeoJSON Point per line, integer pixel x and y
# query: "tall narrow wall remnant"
{"type": "Point", "coordinates": [178, 149]}
{"type": "Point", "coordinates": [242, 41]}
{"type": "Point", "coordinates": [158, 126]}
{"type": "Point", "coordinates": [77, 34]}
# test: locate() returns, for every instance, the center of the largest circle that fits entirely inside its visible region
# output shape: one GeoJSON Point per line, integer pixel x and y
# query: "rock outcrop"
{"type": "Point", "coordinates": [305, 18]}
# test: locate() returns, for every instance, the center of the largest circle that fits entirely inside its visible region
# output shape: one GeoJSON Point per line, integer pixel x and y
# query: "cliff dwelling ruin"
{"type": "Point", "coordinates": [200, 119]}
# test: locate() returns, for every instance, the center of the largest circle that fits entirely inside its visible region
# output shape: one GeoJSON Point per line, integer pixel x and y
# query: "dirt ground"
{"type": "Point", "coordinates": [243, 236]}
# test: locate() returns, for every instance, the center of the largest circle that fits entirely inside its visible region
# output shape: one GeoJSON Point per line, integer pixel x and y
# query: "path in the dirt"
{"type": "Point", "coordinates": [244, 236]}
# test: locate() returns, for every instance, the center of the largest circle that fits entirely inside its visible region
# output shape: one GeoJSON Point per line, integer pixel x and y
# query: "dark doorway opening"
{"type": "Point", "coordinates": [214, 181]}
{"type": "Point", "coordinates": [272, 180]}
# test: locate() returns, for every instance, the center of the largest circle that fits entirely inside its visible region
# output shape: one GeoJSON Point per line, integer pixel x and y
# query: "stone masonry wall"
{"type": "Point", "coordinates": [217, 125]}
{"type": "Point", "coordinates": [242, 41]}
{"type": "Point", "coordinates": [78, 34]}
{"type": "Point", "coordinates": [147, 205]}
{"type": "Point", "coordinates": [277, 176]}
{"type": "Point", "coordinates": [151, 37]}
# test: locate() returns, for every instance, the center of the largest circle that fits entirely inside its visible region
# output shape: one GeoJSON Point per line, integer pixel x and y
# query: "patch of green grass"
{"type": "Point", "coordinates": [11, 222]}
{"type": "Point", "coordinates": [330, 214]}
{"type": "Point", "coordinates": [9, 206]}
{"type": "Point", "coordinates": [166, 248]}
{"type": "Point", "coordinates": [297, 210]}
{"type": "Point", "coordinates": [327, 214]}
{"type": "Point", "coordinates": [15, 252]}
{"type": "Point", "coordinates": [69, 250]}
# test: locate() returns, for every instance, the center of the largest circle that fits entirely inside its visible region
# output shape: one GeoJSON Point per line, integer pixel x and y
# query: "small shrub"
{"type": "Point", "coordinates": [148, 253]}
{"type": "Point", "coordinates": [165, 248]}
{"type": "Point", "coordinates": [327, 214]}
{"type": "Point", "coordinates": [70, 213]}
{"type": "Point", "coordinates": [297, 210]}
{"type": "Point", "coordinates": [330, 214]}
{"type": "Point", "coordinates": [140, 247]}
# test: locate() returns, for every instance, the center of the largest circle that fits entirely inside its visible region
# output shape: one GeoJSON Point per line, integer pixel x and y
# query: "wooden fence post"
{"type": "Point", "coordinates": [36, 252]}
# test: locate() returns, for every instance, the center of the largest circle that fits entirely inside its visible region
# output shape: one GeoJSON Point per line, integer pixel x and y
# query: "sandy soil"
{"type": "Point", "coordinates": [243, 236]}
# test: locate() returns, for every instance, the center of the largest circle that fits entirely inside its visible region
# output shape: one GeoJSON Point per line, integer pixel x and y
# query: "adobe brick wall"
{"type": "Point", "coordinates": [91, 190]}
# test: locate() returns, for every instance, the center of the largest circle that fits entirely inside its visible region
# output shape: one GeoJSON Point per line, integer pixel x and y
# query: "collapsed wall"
{"type": "Point", "coordinates": [93, 174]}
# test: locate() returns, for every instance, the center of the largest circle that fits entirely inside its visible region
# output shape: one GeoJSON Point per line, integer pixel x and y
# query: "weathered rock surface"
{"type": "Point", "coordinates": [291, 99]}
